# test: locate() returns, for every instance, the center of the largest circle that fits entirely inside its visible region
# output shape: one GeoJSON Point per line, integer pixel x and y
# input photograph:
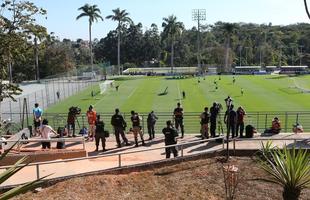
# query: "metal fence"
{"type": "Point", "coordinates": [260, 120]}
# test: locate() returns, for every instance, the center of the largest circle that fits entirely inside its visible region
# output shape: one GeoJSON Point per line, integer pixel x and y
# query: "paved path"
{"type": "Point", "coordinates": [89, 165]}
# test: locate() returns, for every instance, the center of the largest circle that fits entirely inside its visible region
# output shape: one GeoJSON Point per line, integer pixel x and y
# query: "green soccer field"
{"type": "Point", "coordinates": [261, 93]}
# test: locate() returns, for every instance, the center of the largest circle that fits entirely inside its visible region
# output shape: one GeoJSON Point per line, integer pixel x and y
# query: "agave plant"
{"type": "Point", "coordinates": [289, 168]}
{"type": "Point", "coordinates": [20, 164]}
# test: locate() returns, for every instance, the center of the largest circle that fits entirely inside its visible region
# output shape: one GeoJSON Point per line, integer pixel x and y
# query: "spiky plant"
{"type": "Point", "coordinates": [19, 165]}
{"type": "Point", "coordinates": [289, 168]}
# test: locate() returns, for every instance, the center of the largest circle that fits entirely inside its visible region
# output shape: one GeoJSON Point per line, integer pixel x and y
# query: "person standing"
{"type": "Point", "coordinates": [37, 118]}
{"type": "Point", "coordinates": [214, 111]}
{"type": "Point", "coordinates": [99, 134]}
{"type": "Point", "coordinates": [119, 126]}
{"type": "Point", "coordinates": [136, 127]}
{"type": "Point", "coordinates": [170, 134]}
{"type": "Point", "coordinates": [240, 121]}
{"type": "Point", "coordinates": [230, 119]}
{"type": "Point", "coordinates": [91, 117]}
{"type": "Point", "coordinates": [151, 121]}
{"type": "Point", "coordinates": [71, 122]}
{"type": "Point", "coordinates": [178, 118]}
{"type": "Point", "coordinates": [46, 132]}
{"type": "Point", "coordinates": [205, 118]}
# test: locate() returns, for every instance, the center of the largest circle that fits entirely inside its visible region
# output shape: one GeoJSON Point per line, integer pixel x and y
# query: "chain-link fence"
{"type": "Point", "coordinates": [260, 120]}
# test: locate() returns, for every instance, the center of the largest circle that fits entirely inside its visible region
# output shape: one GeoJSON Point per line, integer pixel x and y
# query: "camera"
{"type": "Point", "coordinates": [75, 110]}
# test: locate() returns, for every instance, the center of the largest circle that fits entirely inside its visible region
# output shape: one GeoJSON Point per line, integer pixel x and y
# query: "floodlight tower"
{"type": "Point", "coordinates": [199, 15]}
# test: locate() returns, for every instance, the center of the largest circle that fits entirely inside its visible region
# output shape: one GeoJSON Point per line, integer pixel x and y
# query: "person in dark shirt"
{"type": "Point", "coordinates": [151, 120]}
{"type": "Point", "coordinates": [183, 94]}
{"type": "Point", "coordinates": [205, 118]}
{"type": "Point", "coordinates": [136, 127]}
{"type": "Point", "coordinates": [178, 118]}
{"type": "Point", "coordinates": [240, 121]}
{"type": "Point", "coordinates": [71, 123]}
{"type": "Point", "coordinates": [214, 111]}
{"type": "Point", "coordinates": [230, 119]}
{"type": "Point", "coordinates": [170, 134]}
{"type": "Point", "coordinates": [119, 126]}
{"type": "Point", "coordinates": [99, 133]}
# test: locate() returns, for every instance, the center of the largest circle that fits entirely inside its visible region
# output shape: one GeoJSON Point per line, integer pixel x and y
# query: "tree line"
{"type": "Point", "coordinates": [25, 46]}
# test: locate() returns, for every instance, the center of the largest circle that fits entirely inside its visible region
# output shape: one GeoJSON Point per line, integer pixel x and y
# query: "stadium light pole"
{"type": "Point", "coordinates": [240, 49]}
{"type": "Point", "coordinates": [300, 54]}
{"type": "Point", "coordinates": [198, 15]}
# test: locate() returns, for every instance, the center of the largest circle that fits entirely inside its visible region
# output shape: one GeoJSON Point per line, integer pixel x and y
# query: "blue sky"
{"type": "Point", "coordinates": [62, 13]}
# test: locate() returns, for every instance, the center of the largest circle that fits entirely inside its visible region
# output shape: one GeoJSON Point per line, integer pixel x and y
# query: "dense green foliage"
{"type": "Point", "coordinates": [222, 44]}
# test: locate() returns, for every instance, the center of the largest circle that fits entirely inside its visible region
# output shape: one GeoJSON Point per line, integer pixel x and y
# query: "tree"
{"type": "Point", "coordinates": [93, 14]}
{"type": "Point", "coordinates": [306, 7]}
{"type": "Point", "coordinates": [228, 29]}
{"type": "Point", "coordinates": [121, 16]}
{"type": "Point", "coordinates": [172, 29]}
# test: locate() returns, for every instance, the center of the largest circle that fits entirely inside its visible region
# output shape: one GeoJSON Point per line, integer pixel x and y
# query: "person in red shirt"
{"type": "Point", "coordinates": [91, 117]}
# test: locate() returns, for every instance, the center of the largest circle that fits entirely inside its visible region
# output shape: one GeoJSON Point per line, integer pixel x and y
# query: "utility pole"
{"type": "Point", "coordinates": [240, 49]}
{"type": "Point", "coordinates": [36, 57]}
{"type": "Point", "coordinates": [198, 15]}
{"type": "Point", "coordinates": [300, 54]}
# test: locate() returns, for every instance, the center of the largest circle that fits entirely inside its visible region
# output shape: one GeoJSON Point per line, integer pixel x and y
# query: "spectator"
{"type": "Point", "coordinates": [91, 117]}
{"type": "Point", "coordinates": [240, 121]}
{"type": "Point", "coordinates": [119, 126]}
{"type": "Point", "coordinates": [297, 128]}
{"type": "Point", "coordinates": [214, 111]}
{"type": "Point", "coordinates": [100, 135]}
{"type": "Point", "coordinates": [136, 127]}
{"type": "Point", "coordinates": [170, 139]}
{"type": "Point", "coordinates": [276, 126]}
{"type": "Point", "coordinates": [230, 119]}
{"type": "Point", "coordinates": [71, 123]}
{"type": "Point", "coordinates": [205, 118]}
{"type": "Point", "coordinates": [151, 121]}
{"type": "Point", "coordinates": [178, 118]}
{"type": "Point", "coordinates": [46, 133]}
{"type": "Point", "coordinates": [37, 118]}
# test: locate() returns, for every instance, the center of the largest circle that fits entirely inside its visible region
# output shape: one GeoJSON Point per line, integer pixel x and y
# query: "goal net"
{"type": "Point", "coordinates": [106, 85]}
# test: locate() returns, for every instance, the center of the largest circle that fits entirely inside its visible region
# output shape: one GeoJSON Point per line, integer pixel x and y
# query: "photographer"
{"type": "Point", "coordinates": [151, 121]}
{"type": "Point", "coordinates": [73, 112]}
{"type": "Point", "coordinates": [228, 101]}
{"type": "Point", "coordinates": [240, 120]}
{"type": "Point", "coordinates": [214, 111]}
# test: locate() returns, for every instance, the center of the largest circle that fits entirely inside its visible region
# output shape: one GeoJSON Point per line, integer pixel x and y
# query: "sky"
{"type": "Point", "coordinates": [61, 14]}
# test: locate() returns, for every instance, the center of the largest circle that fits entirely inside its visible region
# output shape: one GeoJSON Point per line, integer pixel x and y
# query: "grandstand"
{"type": "Point", "coordinates": [294, 70]}
{"type": "Point", "coordinates": [161, 71]}
{"type": "Point", "coordinates": [247, 69]}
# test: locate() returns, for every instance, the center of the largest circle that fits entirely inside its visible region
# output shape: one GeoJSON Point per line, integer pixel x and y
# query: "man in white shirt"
{"type": "Point", "coordinates": [46, 131]}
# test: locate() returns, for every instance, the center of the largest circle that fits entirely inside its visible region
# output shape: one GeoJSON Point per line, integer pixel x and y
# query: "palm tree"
{"type": "Point", "coordinates": [93, 14]}
{"type": "Point", "coordinates": [172, 28]}
{"type": "Point", "coordinates": [121, 16]}
{"type": "Point", "coordinates": [305, 1]}
{"type": "Point", "coordinates": [228, 29]}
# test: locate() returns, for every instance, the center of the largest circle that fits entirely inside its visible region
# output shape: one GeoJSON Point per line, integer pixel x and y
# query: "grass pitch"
{"type": "Point", "coordinates": [261, 93]}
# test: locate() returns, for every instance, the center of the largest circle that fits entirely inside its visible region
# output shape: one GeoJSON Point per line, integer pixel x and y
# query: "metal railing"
{"type": "Point", "coordinates": [260, 120]}
{"type": "Point", "coordinates": [119, 155]}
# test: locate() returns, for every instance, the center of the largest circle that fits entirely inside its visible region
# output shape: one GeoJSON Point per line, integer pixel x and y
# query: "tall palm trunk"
{"type": "Point", "coordinates": [120, 71]}
{"type": "Point", "coordinates": [227, 54]}
{"type": "Point", "coordinates": [91, 49]}
{"type": "Point", "coordinates": [305, 1]}
{"type": "Point", "coordinates": [172, 56]}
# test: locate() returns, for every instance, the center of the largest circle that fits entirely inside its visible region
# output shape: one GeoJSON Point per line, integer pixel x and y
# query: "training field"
{"type": "Point", "coordinates": [261, 93]}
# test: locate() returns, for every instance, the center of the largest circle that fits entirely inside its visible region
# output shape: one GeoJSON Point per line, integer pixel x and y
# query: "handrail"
{"type": "Point", "coordinates": [115, 154]}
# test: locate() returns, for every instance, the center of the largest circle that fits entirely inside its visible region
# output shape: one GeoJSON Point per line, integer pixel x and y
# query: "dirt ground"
{"type": "Point", "coordinates": [201, 179]}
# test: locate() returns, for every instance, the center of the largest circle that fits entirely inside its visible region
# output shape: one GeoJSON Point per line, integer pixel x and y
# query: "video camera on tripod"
{"type": "Point", "coordinates": [75, 110]}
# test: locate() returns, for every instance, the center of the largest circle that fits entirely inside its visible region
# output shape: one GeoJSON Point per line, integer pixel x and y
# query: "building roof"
{"type": "Point", "coordinates": [288, 67]}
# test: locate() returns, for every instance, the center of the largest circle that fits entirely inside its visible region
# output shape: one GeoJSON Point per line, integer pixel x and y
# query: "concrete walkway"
{"type": "Point", "coordinates": [65, 168]}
